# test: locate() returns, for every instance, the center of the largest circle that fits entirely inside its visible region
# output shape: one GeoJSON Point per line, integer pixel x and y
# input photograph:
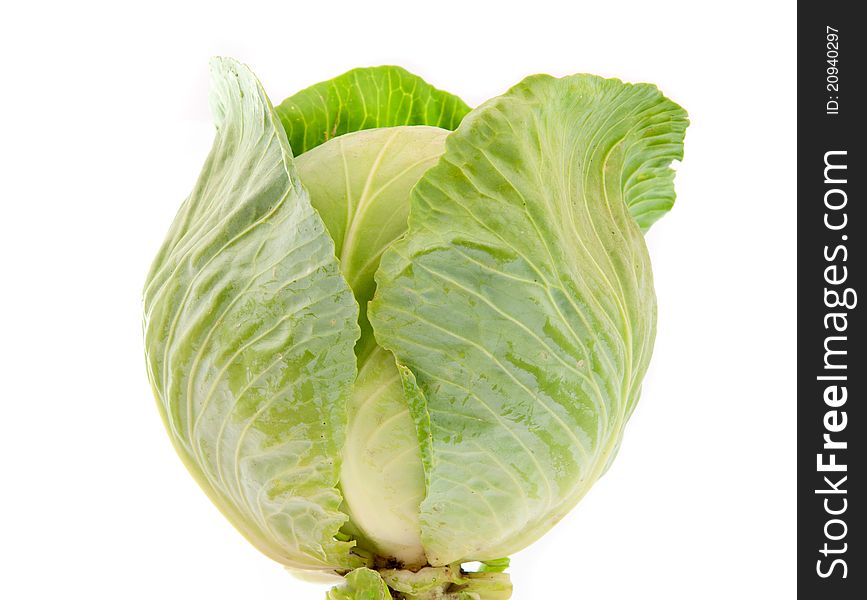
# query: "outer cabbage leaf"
{"type": "Point", "coordinates": [522, 301]}
{"type": "Point", "coordinates": [249, 333]}
{"type": "Point", "coordinates": [365, 99]}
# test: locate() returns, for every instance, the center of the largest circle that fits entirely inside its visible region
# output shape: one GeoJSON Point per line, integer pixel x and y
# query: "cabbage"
{"type": "Point", "coordinates": [415, 342]}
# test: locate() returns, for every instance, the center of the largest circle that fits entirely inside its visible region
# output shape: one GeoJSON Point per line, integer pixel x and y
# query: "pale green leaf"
{"type": "Point", "coordinates": [382, 477]}
{"type": "Point", "coordinates": [360, 184]}
{"type": "Point", "coordinates": [249, 333]}
{"type": "Point", "coordinates": [522, 301]}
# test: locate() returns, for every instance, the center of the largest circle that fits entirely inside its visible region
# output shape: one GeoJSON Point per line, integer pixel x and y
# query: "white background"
{"type": "Point", "coordinates": [104, 128]}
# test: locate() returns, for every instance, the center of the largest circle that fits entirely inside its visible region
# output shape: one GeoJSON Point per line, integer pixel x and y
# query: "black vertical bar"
{"type": "Point", "coordinates": [832, 562]}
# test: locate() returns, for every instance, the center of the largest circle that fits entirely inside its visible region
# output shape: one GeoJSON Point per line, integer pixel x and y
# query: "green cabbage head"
{"type": "Point", "coordinates": [390, 335]}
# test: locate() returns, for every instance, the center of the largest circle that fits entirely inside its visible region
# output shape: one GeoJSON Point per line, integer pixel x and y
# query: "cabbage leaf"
{"type": "Point", "coordinates": [522, 302]}
{"type": "Point", "coordinates": [249, 333]}
{"type": "Point", "coordinates": [366, 98]}
{"type": "Point", "coordinates": [360, 183]}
